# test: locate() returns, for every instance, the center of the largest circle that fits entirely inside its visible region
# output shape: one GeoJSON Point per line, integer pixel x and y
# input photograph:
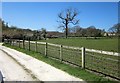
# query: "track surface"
{"type": "Point", "coordinates": [11, 70]}
{"type": "Point", "coordinates": [42, 71]}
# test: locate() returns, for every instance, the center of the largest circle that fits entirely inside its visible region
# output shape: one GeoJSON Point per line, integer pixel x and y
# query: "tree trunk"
{"type": "Point", "coordinates": [66, 25]}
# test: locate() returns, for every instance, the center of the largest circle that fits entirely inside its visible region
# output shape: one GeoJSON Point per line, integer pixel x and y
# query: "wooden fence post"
{"type": "Point", "coordinates": [23, 43]}
{"type": "Point", "coordinates": [83, 57]}
{"type": "Point", "coordinates": [61, 53]}
{"type": "Point", "coordinates": [29, 44]}
{"type": "Point", "coordinates": [13, 41]}
{"type": "Point", "coordinates": [46, 49]}
{"type": "Point", "coordinates": [19, 43]}
{"type": "Point", "coordinates": [7, 41]}
{"type": "Point", "coordinates": [36, 46]}
{"type": "Point", "coordinates": [10, 41]}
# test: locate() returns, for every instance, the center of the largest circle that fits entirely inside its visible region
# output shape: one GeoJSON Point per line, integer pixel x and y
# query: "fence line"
{"type": "Point", "coordinates": [85, 58]}
{"type": "Point", "coordinates": [86, 49]}
{"type": "Point", "coordinates": [89, 50]}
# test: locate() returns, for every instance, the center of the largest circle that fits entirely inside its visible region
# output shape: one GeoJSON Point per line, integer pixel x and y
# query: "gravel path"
{"type": "Point", "coordinates": [13, 71]}
{"type": "Point", "coordinates": [41, 70]}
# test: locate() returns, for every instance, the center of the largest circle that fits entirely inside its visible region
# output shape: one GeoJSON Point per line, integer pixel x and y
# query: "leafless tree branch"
{"type": "Point", "coordinates": [68, 16]}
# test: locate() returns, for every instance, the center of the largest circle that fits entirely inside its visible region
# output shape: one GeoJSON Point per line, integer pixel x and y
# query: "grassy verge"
{"type": "Point", "coordinates": [75, 71]}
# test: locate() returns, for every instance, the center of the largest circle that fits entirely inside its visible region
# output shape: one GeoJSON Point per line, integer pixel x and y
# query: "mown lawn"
{"type": "Point", "coordinates": [106, 44]}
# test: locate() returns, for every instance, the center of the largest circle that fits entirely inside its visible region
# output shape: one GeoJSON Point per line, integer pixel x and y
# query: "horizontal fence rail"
{"type": "Point", "coordinates": [103, 52]}
{"type": "Point", "coordinates": [103, 62]}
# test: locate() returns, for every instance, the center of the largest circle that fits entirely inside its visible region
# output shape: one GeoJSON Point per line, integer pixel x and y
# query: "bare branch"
{"type": "Point", "coordinates": [74, 22]}
{"type": "Point", "coordinates": [61, 16]}
{"type": "Point", "coordinates": [61, 27]}
{"type": "Point", "coordinates": [74, 15]}
{"type": "Point", "coordinates": [63, 21]}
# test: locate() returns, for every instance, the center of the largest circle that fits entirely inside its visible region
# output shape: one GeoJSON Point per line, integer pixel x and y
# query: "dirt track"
{"type": "Point", "coordinates": [39, 69]}
{"type": "Point", "coordinates": [11, 70]}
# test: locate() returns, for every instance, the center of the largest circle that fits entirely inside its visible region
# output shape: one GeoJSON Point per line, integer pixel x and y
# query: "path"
{"type": "Point", "coordinates": [13, 71]}
{"type": "Point", "coordinates": [41, 70]}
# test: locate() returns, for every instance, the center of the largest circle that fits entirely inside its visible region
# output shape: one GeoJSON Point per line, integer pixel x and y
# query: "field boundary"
{"type": "Point", "coordinates": [71, 47]}
{"type": "Point", "coordinates": [100, 61]}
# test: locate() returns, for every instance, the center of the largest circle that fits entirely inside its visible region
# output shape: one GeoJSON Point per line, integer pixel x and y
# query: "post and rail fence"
{"type": "Point", "coordinates": [104, 62]}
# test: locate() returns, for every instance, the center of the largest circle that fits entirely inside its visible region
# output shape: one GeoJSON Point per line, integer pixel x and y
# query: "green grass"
{"type": "Point", "coordinates": [105, 44]}
{"type": "Point", "coordinates": [106, 64]}
{"type": "Point", "coordinates": [75, 71]}
{"type": "Point", "coordinates": [103, 63]}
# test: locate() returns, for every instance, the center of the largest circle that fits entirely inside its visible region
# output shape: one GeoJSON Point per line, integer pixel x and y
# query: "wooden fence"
{"type": "Point", "coordinates": [104, 62]}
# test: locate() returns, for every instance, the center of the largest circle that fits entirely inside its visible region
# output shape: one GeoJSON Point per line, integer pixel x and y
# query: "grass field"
{"type": "Point", "coordinates": [99, 44]}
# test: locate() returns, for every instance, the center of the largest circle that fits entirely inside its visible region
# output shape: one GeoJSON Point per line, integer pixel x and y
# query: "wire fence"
{"type": "Point", "coordinates": [106, 63]}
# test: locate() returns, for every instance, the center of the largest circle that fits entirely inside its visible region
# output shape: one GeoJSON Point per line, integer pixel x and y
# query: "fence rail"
{"type": "Point", "coordinates": [96, 60]}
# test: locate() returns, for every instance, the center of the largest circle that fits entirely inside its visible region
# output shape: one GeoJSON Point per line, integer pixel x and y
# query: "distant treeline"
{"type": "Point", "coordinates": [76, 31]}
{"type": "Point", "coordinates": [91, 31]}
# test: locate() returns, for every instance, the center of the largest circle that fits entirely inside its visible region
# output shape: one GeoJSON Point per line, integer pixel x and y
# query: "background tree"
{"type": "Point", "coordinates": [115, 29]}
{"type": "Point", "coordinates": [93, 32]}
{"type": "Point", "coordinates": [66, 17]}
{"type": "Point", "coordinates": [14, 31]}
{"type": "Point", "coordinates": [37, 34]}
{"type": "Point", "coordinates": [44, 32]}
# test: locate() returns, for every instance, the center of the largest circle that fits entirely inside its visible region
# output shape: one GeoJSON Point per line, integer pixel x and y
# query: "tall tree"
{"type": "Point", "coordinates": [66, 17]}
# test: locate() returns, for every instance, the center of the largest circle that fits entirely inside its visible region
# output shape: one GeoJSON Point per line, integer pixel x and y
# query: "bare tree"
{"type": "Point", "coordinates": [115, 28]}
{"type": "Point", "coordinates": [66, 17]}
